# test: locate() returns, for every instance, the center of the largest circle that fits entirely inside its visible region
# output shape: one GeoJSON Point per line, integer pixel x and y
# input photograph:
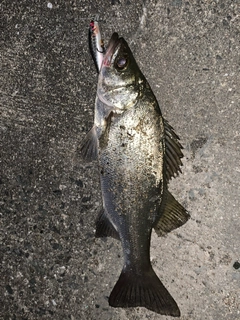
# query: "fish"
{"type": "Point", "coordinates": [96, 43]}
{"type": "Point", "coordinates": [138, 152]}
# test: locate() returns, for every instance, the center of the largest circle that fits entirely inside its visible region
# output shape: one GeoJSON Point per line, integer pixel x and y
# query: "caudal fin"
{"type": "Point", "coordinates": [147, 291]}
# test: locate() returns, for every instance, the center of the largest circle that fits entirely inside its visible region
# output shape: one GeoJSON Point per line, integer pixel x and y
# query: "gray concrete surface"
{"type": "Point", "coordinates": [52, 267]}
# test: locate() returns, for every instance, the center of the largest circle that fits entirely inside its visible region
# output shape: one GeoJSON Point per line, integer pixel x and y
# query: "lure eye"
{"type": "Point", "coordinates": [121, 62]}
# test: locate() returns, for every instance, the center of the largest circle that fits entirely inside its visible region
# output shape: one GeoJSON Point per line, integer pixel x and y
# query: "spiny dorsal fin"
{"type": "Point", "coordinates": [104, 227]}
{"type": "Point", "coordinates": [88, 148]}
{"type": "Point", "coordinates": [173, 217]}
{"type": "Point", "coordinates": [173, 152]}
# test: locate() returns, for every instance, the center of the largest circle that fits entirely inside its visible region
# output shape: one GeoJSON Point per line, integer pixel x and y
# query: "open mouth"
{"type": "Point", "coordinates": [113, 43]}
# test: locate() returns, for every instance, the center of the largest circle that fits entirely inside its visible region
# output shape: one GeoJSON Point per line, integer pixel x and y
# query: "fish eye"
{"type": "Point", "coordinates": [121, 62]}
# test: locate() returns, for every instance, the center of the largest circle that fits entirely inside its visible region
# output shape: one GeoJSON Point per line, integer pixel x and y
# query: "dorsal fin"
{"type": "Point", "coordinates": [173, 152]}
{"type": "Point", "coordinates": [174, 215]}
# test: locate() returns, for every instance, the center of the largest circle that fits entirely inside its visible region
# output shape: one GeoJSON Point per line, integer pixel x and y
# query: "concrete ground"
{"type": "Point", "coordinates": [52, 267]}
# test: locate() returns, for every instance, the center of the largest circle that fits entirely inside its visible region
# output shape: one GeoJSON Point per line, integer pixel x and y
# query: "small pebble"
{"type": "Point", "coordinates": [236, 265]}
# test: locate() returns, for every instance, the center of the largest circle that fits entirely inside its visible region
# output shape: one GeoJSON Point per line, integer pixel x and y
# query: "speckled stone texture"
{"type": "Point", "coordinates": [52, 267]}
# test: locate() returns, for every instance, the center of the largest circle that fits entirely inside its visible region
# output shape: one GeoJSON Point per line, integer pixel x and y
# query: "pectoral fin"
{"type": "Point", "coordinates": [173, 217]}
{"type": "Point", "coordinates": [103, 139]}
{"type": "Point", "coordinates": [89, 146]}
{"type": "Point", "coordinates": [104, 227]}
{"type": "Point", "coordinates": [88, 149]}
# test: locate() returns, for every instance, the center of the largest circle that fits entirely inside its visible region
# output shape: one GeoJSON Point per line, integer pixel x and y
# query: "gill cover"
{"type": "Point", "coordinates": [120, 80]}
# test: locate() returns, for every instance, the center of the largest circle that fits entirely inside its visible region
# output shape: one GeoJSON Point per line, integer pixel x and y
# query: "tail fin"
{"type": "Point", "coordinates": [147, 291]}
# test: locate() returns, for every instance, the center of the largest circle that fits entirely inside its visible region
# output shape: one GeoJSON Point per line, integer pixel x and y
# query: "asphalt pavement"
{"type": "Point", "coordinates": [52, 267]}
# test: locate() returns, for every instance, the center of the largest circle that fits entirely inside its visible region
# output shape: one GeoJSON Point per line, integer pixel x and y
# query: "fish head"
{"type": "Point", "coordinates": [120, 80]}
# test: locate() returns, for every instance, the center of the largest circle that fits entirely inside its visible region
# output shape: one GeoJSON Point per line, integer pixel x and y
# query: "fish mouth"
{"type": "Point", "coordinates": [111, 48]}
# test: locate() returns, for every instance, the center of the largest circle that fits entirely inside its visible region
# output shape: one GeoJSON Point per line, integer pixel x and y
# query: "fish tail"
{"type": "Point", "coordinates": [145, 290]}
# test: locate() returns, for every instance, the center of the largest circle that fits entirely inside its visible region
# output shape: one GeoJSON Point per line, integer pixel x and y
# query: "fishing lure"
{"type": "Point", "coordinates": [96, 43]}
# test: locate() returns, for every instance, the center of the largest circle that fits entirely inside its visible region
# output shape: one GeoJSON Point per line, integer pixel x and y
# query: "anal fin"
{"type": "Point", "coordinates": [173, 217]}
{"type": "Point", "coordinates": [104, 227]}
